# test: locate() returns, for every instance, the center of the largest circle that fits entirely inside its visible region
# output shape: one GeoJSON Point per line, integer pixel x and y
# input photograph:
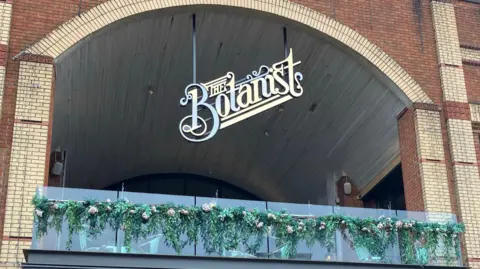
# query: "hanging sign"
{"type": "Point", "coordinates": [222, 102]}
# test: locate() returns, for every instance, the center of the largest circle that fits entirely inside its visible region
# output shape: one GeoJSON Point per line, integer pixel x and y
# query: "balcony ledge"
{"type": "Point", "coordinates": [41, 259]}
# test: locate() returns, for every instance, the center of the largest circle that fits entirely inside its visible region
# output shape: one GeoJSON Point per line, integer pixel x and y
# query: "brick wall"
{"type": "Point", "coordinates": [28, 156]}
{"type": "Point", "coordinates": [409, 31]}
{"type": "Point", "coordinates": [412, 182]}
{"type": "Point", "coordinates": [404, 29]}
{"type": "Point", "coordinates": [475, 263]}
{"type": "Point", "coordinates": [468, 21]}
{"type": "Point", "coordinates": [455, 27]}
{"type": "Point", "coordinates": [425, 174]}
{"type": "Point", "coordinates": [5, 17]}
{"type": "Point", "coordinates": [472, 81]}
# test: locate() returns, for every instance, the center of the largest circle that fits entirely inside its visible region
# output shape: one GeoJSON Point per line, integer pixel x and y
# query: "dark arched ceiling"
{"type": "Point", "coordinates": [113, 129]}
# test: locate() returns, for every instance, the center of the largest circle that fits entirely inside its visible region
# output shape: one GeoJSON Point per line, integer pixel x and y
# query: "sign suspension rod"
{"type": "Point", "coordinates": [194, 47]}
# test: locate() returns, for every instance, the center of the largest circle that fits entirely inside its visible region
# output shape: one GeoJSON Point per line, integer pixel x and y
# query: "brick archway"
{"type": "Point", "coordinates": [438, 155]}
{"type": "Point", "coordinates": [79, 27]}
{"type": "Point", "coordinates": [33, 110]}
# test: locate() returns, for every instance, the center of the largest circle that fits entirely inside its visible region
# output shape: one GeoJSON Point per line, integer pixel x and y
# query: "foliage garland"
{"type": "Point", "coordinates": [225, 228]}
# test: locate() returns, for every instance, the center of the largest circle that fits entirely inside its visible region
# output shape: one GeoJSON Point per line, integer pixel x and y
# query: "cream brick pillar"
{"type": "Point", "coordinates": [459, 126]}
{"type": "Point", "coordinates": [5, 18]}
{"type": "Point", "coordinates": [433, 171]}
{"type": "Point", "coordinates": [28, 157]}
{"type": "Point", "coordinates": [470, 55]}
{"type": "Point", "coordinates": [423, 161]}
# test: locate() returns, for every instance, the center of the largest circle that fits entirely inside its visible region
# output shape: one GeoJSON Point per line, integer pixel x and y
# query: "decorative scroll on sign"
{"type": "Point", "coordinates": [222, 102]}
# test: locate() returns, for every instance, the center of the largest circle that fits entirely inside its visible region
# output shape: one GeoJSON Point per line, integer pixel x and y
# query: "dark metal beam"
{"type": "Point", "coordinates": [40, 259]}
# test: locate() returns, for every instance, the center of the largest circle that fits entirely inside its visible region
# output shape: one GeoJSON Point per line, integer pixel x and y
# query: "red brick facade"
{"type": "Point", "coordinates": [412, 182]}
{"type": "Point", "coordinates": [410, 40]}
{"type": "Point", "coordinates": [472, 82]}
{"type": "Point", "coordinates": [468, 23]}
{"type": "Point", "coordinates": [404, 29]}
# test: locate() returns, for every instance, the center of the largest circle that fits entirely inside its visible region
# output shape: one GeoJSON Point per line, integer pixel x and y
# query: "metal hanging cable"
{"type": "Point", "coordinates": [194, 47]}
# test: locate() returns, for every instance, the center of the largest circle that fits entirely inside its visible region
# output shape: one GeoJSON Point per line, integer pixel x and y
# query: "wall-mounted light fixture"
{"type": "Point", "coordinates": [57, 167]}
{"type": "Point", "coordinates": [347, 186]}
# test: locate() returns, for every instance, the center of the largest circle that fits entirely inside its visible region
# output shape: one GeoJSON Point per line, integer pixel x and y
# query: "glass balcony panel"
{"type": "Point", "coordinates": [81, 241]}
{"type": "Point", "coordinates": [345, 249]}
{"type": "Point", "coordinates": [241, 250]}
{"type": "Point", "coordinates": [112, 241]}
{"type": "Point", "coordinates": [155, 243]}
{"type": "Point", "coordinates": [71, 194]}
{"type": "Point", "coordinates": [438, 217]}
{"type": "Point", "coordinates": [426, 216]}
{"type": "Point", "coordinates": [304, 252]}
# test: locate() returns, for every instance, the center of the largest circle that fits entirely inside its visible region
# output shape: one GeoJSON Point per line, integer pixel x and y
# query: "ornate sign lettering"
{"type": "Point", "coordinates": [222, 102]}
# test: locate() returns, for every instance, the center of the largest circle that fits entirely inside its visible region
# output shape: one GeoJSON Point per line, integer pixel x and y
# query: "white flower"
{"type": "Point", "coordinates": [398, 224]}
{"type": "Point", "coordinates": [183, 211]}
{"type": "Point", "coordinates": [437, 230]}
{"type": "Point", "coordinates": [153, 209]}
{"type": "Point", "coordinates": [321, 227]}
{"type": "Point", "coordinates": [132, 211]}
{"type": "Point", "coordinates": [55, 206]}
{"type": "Point", "coordinates": [171, 212]}
{"type": "Point", "coordinates": [365, 229]}
{"type": "Point", "coordinates": [145, 216]}
{"type": "Point", "coordinates": [323, 223]}
{"type": "Point", "coordinates": [259, 225]}
{"type": "Point", "coordinates": [213, 204]}
{"type": "Point", "coordinates": [343, 222]}
{"type": "Point", "coordinates": [380, 226]}
{"type": "Point", "coordinates": [109, 208]}
{"type": "Point", "coordinates": [271, 216]}
{"type": "Point", "coordinates": [39, 213]}
{"type": "Point", "coordinates": [92, 210]}
{"type": "Point", "coordinates": [289, 229]}
{"type": "Point", "coordinates": [206, 207]}
{"type": "Point", "coordinates": [244, 213]}
{"type": "Point", "coordinates": [389, 219]}
{"type": "Point", "coordinates": [108, 201]}
{"type": "Point", "coordinates": [454, 235]}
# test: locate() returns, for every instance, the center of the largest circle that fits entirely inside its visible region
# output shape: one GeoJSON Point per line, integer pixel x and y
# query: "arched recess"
{"type": "Point", "coordinates": [79, 27]}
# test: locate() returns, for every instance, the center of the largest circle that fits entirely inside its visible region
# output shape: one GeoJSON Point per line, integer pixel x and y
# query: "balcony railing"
{"type": "Point", "coordinates": [343, 248]}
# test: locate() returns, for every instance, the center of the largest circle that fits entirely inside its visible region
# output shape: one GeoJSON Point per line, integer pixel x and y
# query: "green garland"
{"type": "Point", "coordinates": [225, 228]}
